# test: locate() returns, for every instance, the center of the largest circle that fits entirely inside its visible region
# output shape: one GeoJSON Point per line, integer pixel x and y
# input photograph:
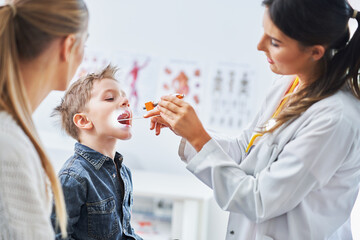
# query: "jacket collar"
{"type": "Point", "coordinates": [94, 157]}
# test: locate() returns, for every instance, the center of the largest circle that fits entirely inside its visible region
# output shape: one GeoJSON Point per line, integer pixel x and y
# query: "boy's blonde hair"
{"type": "Point", "coordinates": [77, 96]}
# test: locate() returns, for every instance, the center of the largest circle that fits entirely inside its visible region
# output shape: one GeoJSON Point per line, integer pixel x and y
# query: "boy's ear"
{"type": "Point", "coordinates": [82, 122]}
{"type": "Point", "coordinates": [66, 47]}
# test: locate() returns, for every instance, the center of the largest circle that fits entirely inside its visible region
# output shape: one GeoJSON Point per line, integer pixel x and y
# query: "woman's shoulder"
{"type": "Point", "coordinates": [342, 107]}
{"type": "Point", "coordinates": [11, 134]}
{"type": "Point", "coordinates": [16, 148]}
{"type": "Point", "coordinates": [6, 121]}
{"type": "Point", "coordinates": [10, 130]}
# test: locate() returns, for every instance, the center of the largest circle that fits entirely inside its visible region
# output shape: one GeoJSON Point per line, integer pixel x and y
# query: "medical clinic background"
{"type": "Point", "coordinates": [206, 49]}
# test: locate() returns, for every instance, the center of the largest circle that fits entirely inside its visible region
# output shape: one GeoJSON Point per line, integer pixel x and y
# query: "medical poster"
{"type": "Point", "coordinates": [184, 77]}
{"type": "Point", "coordinates": [228, 95]}
{"type": "Point", "coordinates": [138, 77]}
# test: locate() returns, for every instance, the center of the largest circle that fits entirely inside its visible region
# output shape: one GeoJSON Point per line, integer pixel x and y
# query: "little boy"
{"type": "Point", "coordinates": [97, 185]}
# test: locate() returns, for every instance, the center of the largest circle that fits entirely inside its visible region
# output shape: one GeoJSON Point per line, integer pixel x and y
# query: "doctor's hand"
{"type": "Point", "coordinates": [181, 118]}
{"type": "Point", "coordinates": [156, 122]}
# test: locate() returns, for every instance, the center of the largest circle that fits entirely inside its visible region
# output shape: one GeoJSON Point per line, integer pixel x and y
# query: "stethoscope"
{"type": "Point", "coordinates": [271, 122]}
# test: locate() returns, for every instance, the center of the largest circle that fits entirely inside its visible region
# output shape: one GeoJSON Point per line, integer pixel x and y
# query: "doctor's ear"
{"type": "Point", "coordinates": [317, 52]}
{"type": "Point", "coordinates": [82, 121]}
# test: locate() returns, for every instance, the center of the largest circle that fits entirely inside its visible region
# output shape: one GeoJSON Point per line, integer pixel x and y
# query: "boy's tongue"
{"type": "Point", "coordinates": [123, 118]}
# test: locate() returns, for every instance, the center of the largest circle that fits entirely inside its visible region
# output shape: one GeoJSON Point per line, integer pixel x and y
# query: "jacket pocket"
{"type": "Point", "coordinates": [102, 219]}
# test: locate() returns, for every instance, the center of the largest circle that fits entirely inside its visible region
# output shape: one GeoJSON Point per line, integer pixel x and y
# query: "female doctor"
{"type": "Point", "coordinates": [294, 172]}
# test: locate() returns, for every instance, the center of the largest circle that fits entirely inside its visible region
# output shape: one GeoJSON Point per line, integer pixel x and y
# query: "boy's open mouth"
{"type": "Point", "coordinates": [124, 118]}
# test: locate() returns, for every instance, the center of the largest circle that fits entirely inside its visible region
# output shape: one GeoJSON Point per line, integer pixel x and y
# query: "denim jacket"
{"type": "Point", "coordinates": [98, 196]}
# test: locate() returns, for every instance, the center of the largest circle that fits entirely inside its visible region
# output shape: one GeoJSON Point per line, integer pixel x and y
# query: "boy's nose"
{"type": "Point", "coordinates": [124, 102]}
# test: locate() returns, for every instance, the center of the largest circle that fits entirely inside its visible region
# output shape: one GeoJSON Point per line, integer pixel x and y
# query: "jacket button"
{"type": "Point", "coordinates": [232, 232]}
{"type": "Point", "coordinates": [114, 175]}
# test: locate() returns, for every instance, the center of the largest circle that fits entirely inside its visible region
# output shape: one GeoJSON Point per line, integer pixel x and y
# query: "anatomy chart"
{"type": "Point", "coordinates": [136, 74]}
{"type": "Point", "coordinates": [220, 93]}
{"type": "Point", "coordinates": [182, 77]}
{"type": "Point", "coordinates": [228, 95]}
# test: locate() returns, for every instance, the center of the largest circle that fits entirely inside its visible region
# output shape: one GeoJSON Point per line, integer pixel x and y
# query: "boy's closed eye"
{"type": "Point", "coordinates": [109, 99]}
{"type": "Point", "coordinates": [110, 96]}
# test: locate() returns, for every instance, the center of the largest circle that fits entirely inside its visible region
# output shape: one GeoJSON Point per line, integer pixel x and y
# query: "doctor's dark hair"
{"type": "Point", "coordinates": [77, 96]}
{"type": "Point", "coordinates": [27, 29]}
{"type": "Point", "coordinates": [319, 22]}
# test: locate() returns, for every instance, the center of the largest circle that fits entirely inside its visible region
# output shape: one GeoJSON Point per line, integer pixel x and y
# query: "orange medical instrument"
{"type": "Point", "coordinates": [151, 105]}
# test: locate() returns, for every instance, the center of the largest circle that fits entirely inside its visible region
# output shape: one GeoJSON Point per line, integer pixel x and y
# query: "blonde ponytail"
{"type": "Point", "coordinates": [17, 23]}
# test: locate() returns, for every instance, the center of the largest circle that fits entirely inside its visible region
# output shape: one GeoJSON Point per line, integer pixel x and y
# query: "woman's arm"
{"type": "Point", "coordinates": [234, 146]}
{"type": "Point", "coordinates": [305, 163]}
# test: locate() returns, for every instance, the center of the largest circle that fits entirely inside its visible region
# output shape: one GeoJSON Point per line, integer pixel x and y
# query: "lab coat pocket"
{"type": "Point", "coordinates": [260, 157]}
{"type": "Point", "coordinates": [266, 156]}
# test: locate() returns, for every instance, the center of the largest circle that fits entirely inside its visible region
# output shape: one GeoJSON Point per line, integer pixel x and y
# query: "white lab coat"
{"type": "Point", "coordinates": [298, 183]}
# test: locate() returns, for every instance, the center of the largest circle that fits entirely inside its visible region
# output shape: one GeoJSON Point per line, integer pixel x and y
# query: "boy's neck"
{"type": "Point", "coordinates": [105, 146]}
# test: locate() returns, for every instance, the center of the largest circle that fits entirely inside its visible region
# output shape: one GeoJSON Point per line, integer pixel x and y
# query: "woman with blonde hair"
{"type": "Point", "coordinates": [41, 46]}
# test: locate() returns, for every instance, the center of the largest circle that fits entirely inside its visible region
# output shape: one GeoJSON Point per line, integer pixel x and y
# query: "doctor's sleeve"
{"type": "Point", "coordinates": [235, 147]}
{"type": "Point", "coordinates": [307, 162]}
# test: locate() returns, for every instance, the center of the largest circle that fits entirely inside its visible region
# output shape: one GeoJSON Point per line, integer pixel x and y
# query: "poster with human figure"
{"type": "Point", "coordinates": [133, 75]}
{"type": "Point", "coordinates": [136, 75]}
{"type": "Point", "coordinates": [184, 77]}
{"type": "Point", "coordinates": [228, 95]}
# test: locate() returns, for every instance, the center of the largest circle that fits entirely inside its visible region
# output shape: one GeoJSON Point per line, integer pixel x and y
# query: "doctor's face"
{"type": "Point", "coordinates": [284, 54]}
